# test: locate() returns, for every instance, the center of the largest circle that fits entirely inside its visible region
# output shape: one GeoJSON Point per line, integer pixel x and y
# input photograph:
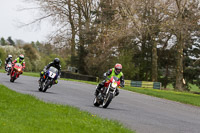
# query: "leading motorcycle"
{"type": "Point", "coordinates": [16, 70]}
{"type": "Point", "coordinates": [48, 79]}
{"type": "Point", "coordinates": [107, 93]}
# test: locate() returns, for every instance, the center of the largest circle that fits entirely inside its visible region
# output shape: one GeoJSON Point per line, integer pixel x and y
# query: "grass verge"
{"type": "Point", "coordinates": [20, 113]}
{"type": "Point", "coordinates": [183, 97]}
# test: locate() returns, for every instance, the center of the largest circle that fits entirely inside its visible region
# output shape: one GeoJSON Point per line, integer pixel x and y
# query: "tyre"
{"type": "Point", "coordinates": [46, 85]}
{"type": "Point", "coordinates": [95, 102]}
{"type": "Point", "coordinates": [40, 85]}
{"type": "Point", "coordinates": [12, 79]}
{"type": "Point", "coordinates": [108, 99]}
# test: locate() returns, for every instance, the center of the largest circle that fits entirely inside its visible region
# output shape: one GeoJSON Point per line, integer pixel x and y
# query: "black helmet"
{"type": "Point", "coordinates": [56, 61]}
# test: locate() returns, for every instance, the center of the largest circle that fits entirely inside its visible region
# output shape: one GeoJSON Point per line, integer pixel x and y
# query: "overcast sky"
{"type": "Point", "coordinates": [10, 18]}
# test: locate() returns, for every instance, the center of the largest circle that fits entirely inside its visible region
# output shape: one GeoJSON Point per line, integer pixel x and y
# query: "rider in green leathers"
{"type": "Point", "coordinates": [20, 60]}
{"type": "Point", "coordinates": [112, 72]}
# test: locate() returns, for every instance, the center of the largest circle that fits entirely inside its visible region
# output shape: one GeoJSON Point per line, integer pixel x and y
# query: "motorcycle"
{"type": "Point", "coordinates": [16, 70]}
{"type": "Point", "coordinates": [8, 68]}
{"type": "Point", "coordinates": [48, 79]}
{"type": "Point", "coordinates": [107, 93]}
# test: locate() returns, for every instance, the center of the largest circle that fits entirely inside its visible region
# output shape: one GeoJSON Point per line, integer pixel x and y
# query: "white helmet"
{"type": "Point", "coordinates": [9, 56]}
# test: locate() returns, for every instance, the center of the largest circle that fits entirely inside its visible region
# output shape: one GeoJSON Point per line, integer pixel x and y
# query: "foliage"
{"type": "Point", "coordinates": [3, 42]}
{"type": "Point", "coordinates": [94, 35]}
{"type": "Point", "coordinates": [10, 41]}
{"type": "Point", "coordinates": [129, 68]}
{"type": "Point", "coordinates": [2, 55]}
{"type": "Point", "coordinates": [14, 51]}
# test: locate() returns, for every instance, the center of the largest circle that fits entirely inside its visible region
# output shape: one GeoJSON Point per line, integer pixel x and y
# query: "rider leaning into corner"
{"type": "Point", "coordinates": [117, 72]}
{"type": "Point", "coordinates": [56, 64]}
{"type": "Point", "coordinates": [8, 59]}
{"type": "Point", "coordinates": [20, 60]}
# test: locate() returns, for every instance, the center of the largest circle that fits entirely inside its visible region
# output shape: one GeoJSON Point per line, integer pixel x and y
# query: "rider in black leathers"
{"type": "Point", "coordinates": [56, 64]}
{"type": "Point", "coordinates": [8, 59]}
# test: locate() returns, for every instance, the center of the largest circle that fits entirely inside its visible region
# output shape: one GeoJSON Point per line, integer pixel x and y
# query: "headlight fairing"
{"type": "Point", "coordinates": [114, 85]}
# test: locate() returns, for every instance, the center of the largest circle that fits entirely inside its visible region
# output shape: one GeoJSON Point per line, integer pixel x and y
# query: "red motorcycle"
{"type": "Point", "coordinates": [16, 70]}
{"type": "Point", "coordinates": [107, 93]}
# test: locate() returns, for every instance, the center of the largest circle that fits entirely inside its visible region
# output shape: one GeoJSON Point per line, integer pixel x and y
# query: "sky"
{"type": "Point", "coordinates": [11, 18]}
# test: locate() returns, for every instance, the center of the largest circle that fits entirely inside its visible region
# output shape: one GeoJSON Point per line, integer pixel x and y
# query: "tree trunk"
{"type": "Point", "coordinates": [154, 62]}
{"type": "Point", "coordinates": [81, 50]}
{"type": "Point", "coordinates": [179, 69]}
{"type": "Point", "coordinates": [73, 33]}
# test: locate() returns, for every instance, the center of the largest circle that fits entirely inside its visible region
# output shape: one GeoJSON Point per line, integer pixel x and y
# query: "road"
{"type": "Point", "coordinates": [142, 113]}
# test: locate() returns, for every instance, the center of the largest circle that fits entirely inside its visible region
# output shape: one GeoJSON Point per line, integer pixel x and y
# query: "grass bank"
{"type": "Point", "coordinates": [20, 113]}
{"type": "Point", "coordinates": [183, 97]}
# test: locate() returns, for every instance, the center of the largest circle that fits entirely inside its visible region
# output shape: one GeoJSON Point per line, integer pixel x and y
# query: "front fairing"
{"type": "Point", "coordinates": [52, 73]}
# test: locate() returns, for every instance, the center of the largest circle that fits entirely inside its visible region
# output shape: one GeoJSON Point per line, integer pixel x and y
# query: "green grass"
{"type": "Point", "coordinates": [183, 97]}
{"type": "Point", "coordinates": [193, 88]}
{"type": "Point", "coordinates": [20, 113]}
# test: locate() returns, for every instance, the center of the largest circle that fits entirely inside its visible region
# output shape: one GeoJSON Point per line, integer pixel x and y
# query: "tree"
{"type": "Point", "coordinates": [184, 20]}
{"type": "Point", "coordinates": [3, 42]}
{"type": "Point", "coordinates": [10, 41]}
{"type": "Point", "coordinates": [2, 55]}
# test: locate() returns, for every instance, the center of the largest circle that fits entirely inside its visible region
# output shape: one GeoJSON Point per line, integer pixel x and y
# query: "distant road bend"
{"type": "Point", "coordinates": [142, 113]}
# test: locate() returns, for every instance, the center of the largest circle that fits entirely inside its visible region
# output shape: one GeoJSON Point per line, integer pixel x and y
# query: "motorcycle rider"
{"type": "Point", "coordinates": [56, 64]}
{"type": "Point", "coordinates": [20, 60]}
{"type": "Point", "coordinates": [117, 72]}
{"type": "Point", "coordinates": [8, 59]}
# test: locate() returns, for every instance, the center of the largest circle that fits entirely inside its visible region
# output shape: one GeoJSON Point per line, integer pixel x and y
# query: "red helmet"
{"type": "Point", "coordinates": [118, 68]}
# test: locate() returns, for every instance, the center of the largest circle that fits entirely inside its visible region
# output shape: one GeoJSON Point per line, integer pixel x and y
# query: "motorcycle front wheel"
{"type": "Point", "coordinates": [107, 100]}
{"type": "Point", "coordinates": [46, 85]}
{"type": "Point", "coordinates": [12, 79]}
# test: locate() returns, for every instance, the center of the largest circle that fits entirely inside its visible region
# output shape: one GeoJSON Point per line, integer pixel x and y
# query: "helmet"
{"type": "Point", "coordinates": [10, 56]}
{"type": "Point", "coordinates": [56, 61]}
{"type": "Point", "coordinates": [118, 68]}
{"type": "Point", "coordinates": [21, 57]}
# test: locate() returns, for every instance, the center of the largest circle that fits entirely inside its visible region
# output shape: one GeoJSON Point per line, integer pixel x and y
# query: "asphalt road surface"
{"type": "Point", "coordinates": [144, 114]}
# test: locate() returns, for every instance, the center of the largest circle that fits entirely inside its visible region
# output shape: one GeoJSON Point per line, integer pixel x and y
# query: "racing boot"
{"type": "Point", "coordinates": [98, 89]}
{"type": "Point", "coordinates": [117, 92]}
{"type": "Point", "coordinates": [55, 82]}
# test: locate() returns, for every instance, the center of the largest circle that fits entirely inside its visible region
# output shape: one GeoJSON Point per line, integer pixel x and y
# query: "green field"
{"type": "Point", "coordinates": [20, 113]}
